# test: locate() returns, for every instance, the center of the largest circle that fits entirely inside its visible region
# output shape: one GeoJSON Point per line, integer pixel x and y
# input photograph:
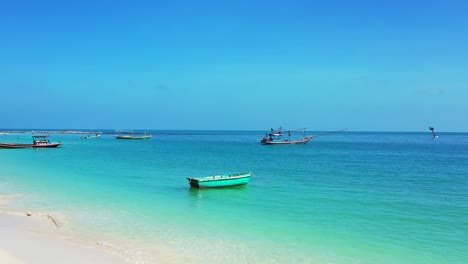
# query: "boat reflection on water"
{"type": "Point", "coordinates": [225, 196]}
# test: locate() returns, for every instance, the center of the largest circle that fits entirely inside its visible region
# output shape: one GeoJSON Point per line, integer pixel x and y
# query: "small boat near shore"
{"type": "Point", "coordinates": [220, 181]}
{"type": "Point", "coordinates": [38, 142]}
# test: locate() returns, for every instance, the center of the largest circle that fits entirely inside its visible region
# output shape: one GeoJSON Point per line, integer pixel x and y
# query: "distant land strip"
{"type": "Point", "coordinates": [66, 132]}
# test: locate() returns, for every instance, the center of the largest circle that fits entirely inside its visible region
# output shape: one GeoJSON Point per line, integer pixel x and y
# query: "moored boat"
{"type": "Point", "coordinates": [132, 137]}
{"type": "Point", "coordinates": [38, 142]}
{"type": "Point", "coordinates": [91, 136]}
{"type": "Point", "coordinates": [14, 145]}
{"type": "Point", "coordinates": [219, 181]}
{"type": "Point", "coordinates": [276, 138]}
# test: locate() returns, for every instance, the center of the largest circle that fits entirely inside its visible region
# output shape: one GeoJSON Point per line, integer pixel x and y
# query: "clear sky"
{"type": "Point", "coordinates": [241, 65]}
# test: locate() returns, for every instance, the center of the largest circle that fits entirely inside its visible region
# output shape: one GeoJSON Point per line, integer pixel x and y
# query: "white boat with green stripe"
{"type": "Point", "coordinates": [220, 181]}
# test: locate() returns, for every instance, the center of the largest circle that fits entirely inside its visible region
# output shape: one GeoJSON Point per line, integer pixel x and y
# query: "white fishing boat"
{"type": "Point", "coordinates": [275, 137]}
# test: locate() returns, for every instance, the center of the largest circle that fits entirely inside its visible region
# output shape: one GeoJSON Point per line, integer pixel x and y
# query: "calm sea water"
{"type": "Point", "coordinates": [345, 198]}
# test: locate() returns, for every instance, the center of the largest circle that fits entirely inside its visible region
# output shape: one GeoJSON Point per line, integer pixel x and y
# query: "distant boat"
{"type": "Point", "coordinates": [91, 136]}
{"type": "Point", "coordinates": [38, 142]}
{"type": "Point", "coordinates": [219, 181]}
{"type": "Point", "coordinates": [132, 137]}
{"type": "Point", "coordinates": [125, 134]}
{"type": "Point", "coordinates": [276, 137]}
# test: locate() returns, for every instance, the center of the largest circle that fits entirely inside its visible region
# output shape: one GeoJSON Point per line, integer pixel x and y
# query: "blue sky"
{"type": "Point", "coordinates": [242, 65]}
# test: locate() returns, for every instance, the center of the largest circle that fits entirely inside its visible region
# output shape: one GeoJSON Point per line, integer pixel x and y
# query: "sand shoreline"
{"type": "Point", "coordinates": [36, 239]}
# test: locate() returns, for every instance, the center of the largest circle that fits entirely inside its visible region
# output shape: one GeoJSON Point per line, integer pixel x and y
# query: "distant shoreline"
{"type": "Point", "coordinates": [71, 132]}
{"type": "Point", "coordinates": [163, 131]}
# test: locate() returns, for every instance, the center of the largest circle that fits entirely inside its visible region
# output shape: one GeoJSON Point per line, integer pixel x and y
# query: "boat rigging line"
{"type": "Point", "coordinates": [328, 133]}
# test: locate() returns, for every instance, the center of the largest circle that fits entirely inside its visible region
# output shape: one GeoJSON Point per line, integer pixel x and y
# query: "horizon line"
{"type": "Point", "coordinates": [166, 129]}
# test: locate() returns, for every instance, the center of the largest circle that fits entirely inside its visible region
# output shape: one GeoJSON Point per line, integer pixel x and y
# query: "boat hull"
{"type": "Point", "coordinates": [132, 137]}
{"type": "Point", "coordinates": [266, 141]}
{"type": "Point", "coordinates": [18, 146]}
{"type": "Point", "coordinates": [53, 145]}
{"type": "Point", "coordinates": [15, 146]}
{"type": "Point", "coordinates": [219, 181]}
{"type": "Point", "coordinates": [91, 137]}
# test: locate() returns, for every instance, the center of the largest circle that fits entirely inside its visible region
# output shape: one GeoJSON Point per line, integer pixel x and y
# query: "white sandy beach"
{"type": "Point", "coordinates": [35, 239]}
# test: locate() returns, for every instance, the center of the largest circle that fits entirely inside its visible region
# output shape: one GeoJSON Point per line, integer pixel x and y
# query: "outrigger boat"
{"type": "Point", "coordinates": [38, 142]}
{"type": "Point", "coordinates": [276, 137]}
{"type": "Point", "coordinates": [219, 181]}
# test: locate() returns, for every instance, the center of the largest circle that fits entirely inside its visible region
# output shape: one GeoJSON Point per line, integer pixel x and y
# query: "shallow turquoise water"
{"type": "Point", "coordinates": [345, 198]}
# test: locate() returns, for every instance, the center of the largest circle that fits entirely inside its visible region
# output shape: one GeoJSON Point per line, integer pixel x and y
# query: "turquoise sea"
{"type": "Point", "coordinates": [351, 197]}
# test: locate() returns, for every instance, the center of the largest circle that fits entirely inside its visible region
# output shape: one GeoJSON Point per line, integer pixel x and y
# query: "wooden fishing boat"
{"type": "Point", "coordinates": [38, 142]}
{"type": "Point", "coordinates": [276, 137]}
{"type": "Point", "coordinates": [14, 145]}
{"type": "Point", "coordinates": [219, 181]}
{"type": "Point", "coordinates": [274, 141]}
{"type": "Point", "coordinates": [129, 135]}
{"type": "Point", "coordinates": [132, 137]}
